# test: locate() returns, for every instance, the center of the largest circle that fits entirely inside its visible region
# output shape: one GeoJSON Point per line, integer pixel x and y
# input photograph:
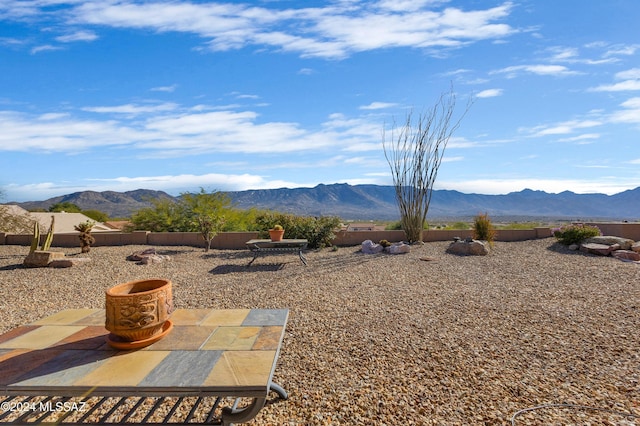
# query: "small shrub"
{"type": "Point", "coordinates": [86, 239]}
{"type": "Point", "coordinates": [384, 243]}
{"type": "Point", "coordinates": [483, 228]}
{"type": "Point", "coordinates": [394, 226]}
{"type": "Point", "coordinates": [319, 231]}
{"type": "Point", "coordinates": [575, 234]}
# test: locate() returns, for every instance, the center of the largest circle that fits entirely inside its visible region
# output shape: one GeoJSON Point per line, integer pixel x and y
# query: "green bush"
{"type": "Point", "coordinates": [483, 228]}
{"type": "Point", "coordinates": [575, 234]}
{"type": "Point", "coordinates": [394, 226]}
{"type": "Point", "coordinates": [319, 231]}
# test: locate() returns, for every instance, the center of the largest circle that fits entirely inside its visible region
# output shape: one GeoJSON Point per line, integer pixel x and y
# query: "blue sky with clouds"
{"type": "Point", "coordinates": [179, 95]}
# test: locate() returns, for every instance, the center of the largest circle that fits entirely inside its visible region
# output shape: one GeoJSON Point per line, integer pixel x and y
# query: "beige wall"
{"type": "Point", "coordinates": [236, 240]}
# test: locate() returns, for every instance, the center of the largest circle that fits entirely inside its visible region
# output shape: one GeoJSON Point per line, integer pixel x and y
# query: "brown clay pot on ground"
{"type": "Point", "coordinates": [138, 310]}
{"type": "Point", "coordinates": [276, 234]}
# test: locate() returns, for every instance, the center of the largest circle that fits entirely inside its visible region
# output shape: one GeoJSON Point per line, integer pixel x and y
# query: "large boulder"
{"type": "Point", "coordinates": [609, 240]}
{"type": "Point", "coordinates": [41, 258]}
{"type": "Point", "coordinates": [468, 247]}
{"type": "Point", "coordinates": [636, 247]}
{"type": "Point", "coordinates": [369, 247]}
{"type": "Point", "coordinates": [626, 255]}
{"type": "Point", "coordinates": [600, 249]}
{"type": "Point", "coordinates": [398, 248]}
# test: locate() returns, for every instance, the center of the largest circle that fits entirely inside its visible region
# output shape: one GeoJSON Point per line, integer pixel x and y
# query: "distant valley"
{"type": "Point", "coordinates": [374, 202]}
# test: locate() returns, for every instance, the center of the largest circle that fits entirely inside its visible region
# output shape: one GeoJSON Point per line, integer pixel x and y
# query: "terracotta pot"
{"type": "Point", "coordinates": [276, 234]}
{"type": "Point", "coordinates": [138, 310]}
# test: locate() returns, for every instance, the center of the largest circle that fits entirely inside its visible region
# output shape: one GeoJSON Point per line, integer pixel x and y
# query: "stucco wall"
{"type": "Point", "coordinates": [236, 240]}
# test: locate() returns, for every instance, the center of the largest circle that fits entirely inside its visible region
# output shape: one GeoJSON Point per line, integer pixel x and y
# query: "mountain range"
{"type": "Point", "coordinates": [371, 202]}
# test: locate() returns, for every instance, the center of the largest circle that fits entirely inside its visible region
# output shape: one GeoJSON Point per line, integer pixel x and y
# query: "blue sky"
{"type": "Point", "coordinates": [178, 95]}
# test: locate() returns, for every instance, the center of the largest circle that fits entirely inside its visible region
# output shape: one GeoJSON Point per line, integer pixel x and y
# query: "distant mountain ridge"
{"type": "Point", "coordinates": [113, 203]}
{"type": "Point", "coordinates": [370, 202]}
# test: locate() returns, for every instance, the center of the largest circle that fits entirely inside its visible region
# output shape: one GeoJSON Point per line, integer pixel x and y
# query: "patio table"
{"type": "Point", "coordinates": [214, 367]}
{"type": "Point", "coordinates": [285, 245]}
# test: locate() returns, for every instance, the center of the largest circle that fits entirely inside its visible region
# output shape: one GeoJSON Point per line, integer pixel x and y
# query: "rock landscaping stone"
{"type": "Point", "coordinates": [41, 258]}
{"type": "Point", "coordinates": [369, 247]}
{"type": "Point", "coordinates": [600, 249]}
{"type": "Point", "coordinates": [147, 256]}
{"type": "Point", "coordinates": [398, 248]}
{"type": "Point", "coordinates": [625, 243]}
{"type": "Point", "coordinates": [468, 247]}
{"type": "Point", "coordinates": [636, 247]}
{"type": "Point", "coordinates": [626, 255]}
{"type": "Point", "coordinates": [68, 262]}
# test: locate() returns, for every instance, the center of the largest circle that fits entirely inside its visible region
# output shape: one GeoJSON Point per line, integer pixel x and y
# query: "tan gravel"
{"type": "Point", "coordinates": [396, 340]}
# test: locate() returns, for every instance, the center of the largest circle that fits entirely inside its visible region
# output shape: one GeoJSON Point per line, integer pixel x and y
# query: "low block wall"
{"type": "Point", "coordinates": [626, 230]}
{"type": "Point", "coordinates": [236, 240]}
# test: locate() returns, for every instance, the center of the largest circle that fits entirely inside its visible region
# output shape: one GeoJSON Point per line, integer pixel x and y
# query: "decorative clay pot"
{"type": "Point", "coordinates": [138, 310]}
{"type": "Point", "coordinates": [276, 234]}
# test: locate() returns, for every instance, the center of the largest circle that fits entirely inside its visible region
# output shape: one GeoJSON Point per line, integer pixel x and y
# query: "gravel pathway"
{"type": "Point", "coordinates": [397, 340]}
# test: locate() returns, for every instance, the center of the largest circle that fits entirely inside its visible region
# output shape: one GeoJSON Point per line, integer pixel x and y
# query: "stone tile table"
{"type": "Point", "coordinates": [214, 367]}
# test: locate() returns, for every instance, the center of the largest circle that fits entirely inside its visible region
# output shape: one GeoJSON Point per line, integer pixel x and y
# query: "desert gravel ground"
{"type": "Point", "coordinates": [396, 339]}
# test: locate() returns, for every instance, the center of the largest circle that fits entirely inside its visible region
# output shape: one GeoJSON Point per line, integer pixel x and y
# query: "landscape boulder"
{"type": "Point", "coordinates": [599, 249]}
{"type": "Point", "coordinates": [369, 247]}
{"type": "Point", "coordinates": [636, 247]}
{"type": "Point", "coordinates": [399, 248]}
{"type": "Point", "coordinates": [41, 258]}
{"type": "Point", "coordinates": [609, 240]}
{"type": "Point", "coordinates": [626, 255]}
{"type": "Point", "coordinates": [68, 262]}
{"type": "Point", "coordinates": [468, 247]}
{"type": "Point", "coordinates": [147, 257]}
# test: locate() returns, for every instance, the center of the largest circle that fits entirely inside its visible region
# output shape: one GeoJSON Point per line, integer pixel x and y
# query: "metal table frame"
{"type": "Point", "coordinates": [283, 246]}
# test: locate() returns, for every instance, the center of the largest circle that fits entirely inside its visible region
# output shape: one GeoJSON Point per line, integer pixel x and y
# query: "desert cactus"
{"type": "Point", "coordinates": [86, 239]}
{"type": "Point", "coordinates": [49, 238]}
{"type": "Point", "coordinates": [36, 237]}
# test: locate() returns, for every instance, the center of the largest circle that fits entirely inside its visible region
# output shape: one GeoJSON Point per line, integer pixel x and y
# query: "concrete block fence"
{"type": "Point", "coordinates": [236, 240]}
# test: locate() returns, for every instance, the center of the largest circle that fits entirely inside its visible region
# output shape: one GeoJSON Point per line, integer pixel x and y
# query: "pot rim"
{"type": "Point", "coordinates": [115, 291]}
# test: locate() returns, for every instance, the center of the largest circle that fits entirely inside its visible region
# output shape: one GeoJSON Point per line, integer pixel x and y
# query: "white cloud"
{"type": "Point", "coordinates": [378, 105]}
{"type": "Point", "coordinates": [168, 130]}
{"type": "Point", "coordinates": [335, 30]}
{"type": "Point", "coordinates": [44, 48]}
{"type": "Point", "coordinates": [622, 50]}
{"type": "Point", "coordinates": [489, 93]}
{"type": "Point", "coordinates": [132, 109]}
{"type": "Point", "coordinates": [630, 113]}
{"type": "Point", "coordinates": [632, 74]}
{"type": "Point", "coordinates": [623, 86]}
{"type": "Point", "coordinates": [630, 81]}
{"type": "Point", "coordinates": [584, 139]}
{"type": "Point", "coordinates": [564, 128]}
{"type": "Point", "coordinates": [60, 133]}
{"type": "Point", "coordinates": [540, 69]}
{"type": "Point", "coordinates": [168, 89]}
{"type": "Point", "coordinates": [446, 159]}
{"type": "Point", "coordinates": [77, 36]}
{"type": "Point", "coordinates": [555, 186]}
